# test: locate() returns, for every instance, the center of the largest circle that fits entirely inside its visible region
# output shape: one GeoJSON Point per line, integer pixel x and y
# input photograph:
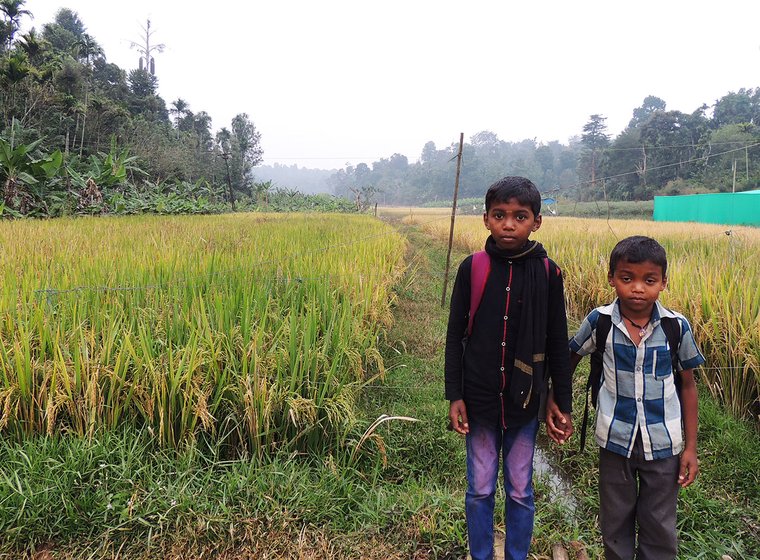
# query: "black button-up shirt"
{"type": "Point", "coordinates": [480, 372]}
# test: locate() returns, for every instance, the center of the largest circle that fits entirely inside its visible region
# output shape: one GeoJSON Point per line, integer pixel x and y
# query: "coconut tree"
{"type": "Point", "coordinates": [202, 128]}
{"type": "Point", "coordinates": [179, 109]}
{"type": "Point", "coordinates": [31, 44]}
{"type": "Point", "coordinates": [12, 14]}
{"type": "Point", "coordinates": [86, 48]}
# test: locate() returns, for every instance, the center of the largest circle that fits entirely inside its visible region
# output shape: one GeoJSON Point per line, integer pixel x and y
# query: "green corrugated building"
{"type": "Point", "coordinates": [742, 208]}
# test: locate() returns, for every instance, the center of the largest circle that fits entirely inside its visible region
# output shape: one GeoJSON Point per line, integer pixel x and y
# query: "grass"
{"type": "Point", "coordinates": [619, 209]}
{"type": "Point", "coordinates": [720, 513]}
{"type": "Point", "coordinates": [80, 497]}
{"type": "Point", "coordinates": [119, 490]}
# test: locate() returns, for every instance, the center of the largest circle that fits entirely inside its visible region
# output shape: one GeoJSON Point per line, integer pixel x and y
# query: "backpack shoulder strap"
{"type": "Point", "coordinates": [596, 370]}
{"type": "Point", "coordinates": [672, 328]}
{"type": "Point", "coordinates": [603, 326]}
{"type": "Point", "coordinates": [481, 268]}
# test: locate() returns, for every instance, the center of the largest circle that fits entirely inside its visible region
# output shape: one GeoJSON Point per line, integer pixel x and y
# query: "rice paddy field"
{"type": "Point", "coordinates": [262, 328]}
{"type": "Point", "coordinates": [238, 386]}
{"type": "Point", "coordinates": [258, 330]}
{"type": "Point", "coordinates": [713, 279]}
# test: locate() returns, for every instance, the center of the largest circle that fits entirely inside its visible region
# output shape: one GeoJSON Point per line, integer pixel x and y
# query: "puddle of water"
{"type": "Point", "coordinates": [559, 487]}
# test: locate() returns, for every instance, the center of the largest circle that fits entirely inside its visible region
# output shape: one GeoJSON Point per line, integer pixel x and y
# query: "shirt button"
{"type": "Point", "coordinates": [639, 399]}
{"type": "Point", "coordinates": [638, 368]}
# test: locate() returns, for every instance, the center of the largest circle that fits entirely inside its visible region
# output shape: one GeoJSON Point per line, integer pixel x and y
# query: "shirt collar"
{"type": "Point", "coordinates": [658, 311]}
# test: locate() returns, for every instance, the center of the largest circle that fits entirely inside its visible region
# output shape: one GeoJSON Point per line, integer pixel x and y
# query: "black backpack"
{"type": "Point", "coordinates": [672, 329]}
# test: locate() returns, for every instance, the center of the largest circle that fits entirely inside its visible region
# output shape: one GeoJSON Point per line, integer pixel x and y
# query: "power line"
{"type": "Point", "coordinates": [656, 168]}
{"type": "Point", "coordinates": [673, 146]}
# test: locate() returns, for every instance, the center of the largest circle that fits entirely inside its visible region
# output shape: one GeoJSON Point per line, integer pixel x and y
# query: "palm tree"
{"type": "Point", "coordinates": [13, 13]}
{"type": "Point", "coordinates": [179, 109]}
{"type": "Point", "coordinates": [87, 47]}
{"type": "Point", "coordinates": [31, 44]}
{"type": "Point", "coordinates": [202, 128]}
{"type": "Point", "coordinates": [16, 69]}
{"type": "Point", "coordinates": [223, 139]}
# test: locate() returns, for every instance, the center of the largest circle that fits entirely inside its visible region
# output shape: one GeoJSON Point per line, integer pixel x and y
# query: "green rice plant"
{"type": "Point", "coordinates": [713, 279]}
{"type": "Point", "coordinates": [256, 329]}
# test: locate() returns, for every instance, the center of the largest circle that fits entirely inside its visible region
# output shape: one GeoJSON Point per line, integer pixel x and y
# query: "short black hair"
{"type": "Point", "coordinates": [638, 249]}
{"type": "Point", "coordinates": [521, 189]}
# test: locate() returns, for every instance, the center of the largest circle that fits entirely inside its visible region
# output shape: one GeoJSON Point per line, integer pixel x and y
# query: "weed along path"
{"type": "Point", "coordinates": [414, 358]}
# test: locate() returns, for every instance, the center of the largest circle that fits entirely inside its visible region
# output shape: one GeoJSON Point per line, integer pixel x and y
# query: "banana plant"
{"type": "Point", "coordinates": [107, 170]}
{"type": "Point", "coordinates": [25, 178]}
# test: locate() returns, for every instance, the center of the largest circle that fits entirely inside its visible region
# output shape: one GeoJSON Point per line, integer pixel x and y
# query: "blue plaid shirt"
{"type": "Point", "coordinates": [638, 392]}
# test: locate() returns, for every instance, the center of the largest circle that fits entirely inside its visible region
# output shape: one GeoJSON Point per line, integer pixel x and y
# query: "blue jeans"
{"type": "Point", "coordinates": [484, 446]}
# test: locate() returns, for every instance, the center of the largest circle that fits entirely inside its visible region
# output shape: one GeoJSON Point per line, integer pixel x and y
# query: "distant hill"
{"type": "Point", "coordinates": [307, 181]}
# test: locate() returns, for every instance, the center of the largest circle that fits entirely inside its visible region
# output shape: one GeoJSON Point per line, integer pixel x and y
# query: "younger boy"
{"type": "Point", "coordinates": [497, 362]}
{"type": "Point", "coordinates": [644, 454]}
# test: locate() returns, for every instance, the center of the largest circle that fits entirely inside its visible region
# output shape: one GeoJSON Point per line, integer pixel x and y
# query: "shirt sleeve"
{"type": "Point", "coordinates": [584, 341]}
{"type": "Point", "coordinates": [459, 309]}
{"type": "Point", "coordinates": [558, 358]}
{"type": "Point", "coordinates": [689, 355]}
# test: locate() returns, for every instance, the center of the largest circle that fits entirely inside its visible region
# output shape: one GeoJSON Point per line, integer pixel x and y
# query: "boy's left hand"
{"type": "Point", "coordinates": [559, 426]}
{"type": "Point", "coordinates": [688, 469]}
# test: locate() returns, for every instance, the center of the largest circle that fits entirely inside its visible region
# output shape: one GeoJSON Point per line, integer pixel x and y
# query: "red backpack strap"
{"type": "Point", "coordinates": [481, 268]}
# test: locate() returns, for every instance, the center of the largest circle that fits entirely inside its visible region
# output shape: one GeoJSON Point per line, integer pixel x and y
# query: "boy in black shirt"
{"type": "Point", "coordinates": [515, 340]}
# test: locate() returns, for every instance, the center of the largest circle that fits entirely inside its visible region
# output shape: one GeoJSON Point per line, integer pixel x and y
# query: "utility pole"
{"type": "Point", "coordinates": [453, 214]}
{"type": "Point", "coordinates": [146, 61]}
{"type": "Point", "coordinates": [746, 163]}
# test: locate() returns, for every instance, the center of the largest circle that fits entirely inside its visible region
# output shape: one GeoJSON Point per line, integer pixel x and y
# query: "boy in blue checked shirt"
{"type": "Point", "coordinates": [646, 433]}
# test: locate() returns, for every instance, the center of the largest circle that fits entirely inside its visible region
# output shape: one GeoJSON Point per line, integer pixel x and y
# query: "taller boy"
{"type": "Point", "coordinates": [496, 374]}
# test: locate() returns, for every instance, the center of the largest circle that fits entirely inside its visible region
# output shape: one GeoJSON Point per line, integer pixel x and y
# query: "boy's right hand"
{"type": "Point", "coordinates": [458, 417]}
{"type": "Point", "coordinates": [559, 426]}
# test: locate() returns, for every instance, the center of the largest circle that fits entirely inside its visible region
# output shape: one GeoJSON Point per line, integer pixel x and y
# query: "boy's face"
{"type": "Point", "coordinates": [511, 223]}
{"type": "Point", "coordinates": [637, 285]}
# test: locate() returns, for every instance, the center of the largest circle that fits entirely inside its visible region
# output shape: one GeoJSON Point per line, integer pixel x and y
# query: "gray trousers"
{"type": "Point", "coordinates": [634, 492]}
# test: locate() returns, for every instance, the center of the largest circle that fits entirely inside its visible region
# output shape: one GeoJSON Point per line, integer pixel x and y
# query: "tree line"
{"type": "Point", "coordinates": [79, 134]}
{"type": "Point", "coordinates": [716, 148]}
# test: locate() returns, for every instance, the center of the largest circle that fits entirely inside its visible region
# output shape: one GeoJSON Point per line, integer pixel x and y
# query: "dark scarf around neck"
{"type": "Point", "coordinates": [530, 358]}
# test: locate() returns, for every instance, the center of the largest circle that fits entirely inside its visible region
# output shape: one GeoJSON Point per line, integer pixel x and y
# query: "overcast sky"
{"type": "Point", "coordinates": [329, 82]}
